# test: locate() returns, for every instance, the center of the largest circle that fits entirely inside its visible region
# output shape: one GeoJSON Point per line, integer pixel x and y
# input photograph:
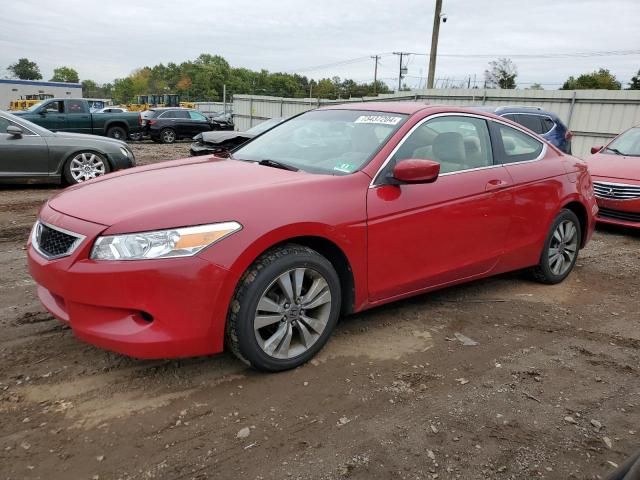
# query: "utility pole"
{"type": "Point", "coordinates": [402, 70]}
{"type": "Point", "coordinates": [375, 75]}
{"type": "Point", "coordinates": [434, 43]}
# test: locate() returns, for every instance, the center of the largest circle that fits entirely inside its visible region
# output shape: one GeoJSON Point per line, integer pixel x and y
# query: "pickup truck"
{"type": "Point", "coordinates": [73, 115]}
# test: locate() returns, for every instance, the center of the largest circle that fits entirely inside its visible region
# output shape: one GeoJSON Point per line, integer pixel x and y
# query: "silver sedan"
{"type": "Point", "coordinates": [31, 153]}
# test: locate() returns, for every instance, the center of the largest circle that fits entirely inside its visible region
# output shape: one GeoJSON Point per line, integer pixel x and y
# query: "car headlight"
{"type": "Point", "coordinates": [124, 152]}
{"type": "Point", "coordinates": [175, 242]}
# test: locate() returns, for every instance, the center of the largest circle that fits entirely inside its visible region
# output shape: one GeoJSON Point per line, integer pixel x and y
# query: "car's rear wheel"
{"type": "Point", "coordinates": [118, 133]}
{"type": "Point", "coordinates": [560, 250]}
{"type": "Point", "coordinates": [168, 135]}
{"type": "Point", "coordinates": [284, 309]}
{"type": "Point", "coordinates": [84, 166]}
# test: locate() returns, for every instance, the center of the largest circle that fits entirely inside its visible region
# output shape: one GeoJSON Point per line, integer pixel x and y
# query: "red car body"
{"type": "Point", "coordinates": [393, 241]}
{"type": "Point", "coordinates": [617, 186]}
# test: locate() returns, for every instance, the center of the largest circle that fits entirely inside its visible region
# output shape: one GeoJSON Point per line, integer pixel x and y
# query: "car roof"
{"type": "Point", "coordinates": [408, 108]}
{"type": "Point", "coordinates": [387, 107]}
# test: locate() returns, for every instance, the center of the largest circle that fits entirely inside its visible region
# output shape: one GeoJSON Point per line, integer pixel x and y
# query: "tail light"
{"type": "Point", "coordinates": [151, 122]}
{"type": "Point", "coordinates": [139, 119]}
{"type": "Point", "coordinates": [568, 135]}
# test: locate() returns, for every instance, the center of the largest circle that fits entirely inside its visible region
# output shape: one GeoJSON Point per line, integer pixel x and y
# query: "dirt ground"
{"type": "Point", "coordinates": [552, 390]}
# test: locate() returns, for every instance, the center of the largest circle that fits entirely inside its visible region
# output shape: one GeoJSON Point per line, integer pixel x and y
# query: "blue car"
{"type": "Point", "coordinates": [544, 123]}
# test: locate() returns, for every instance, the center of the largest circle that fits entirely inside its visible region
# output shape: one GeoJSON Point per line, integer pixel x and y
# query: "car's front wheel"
{"type": "Point", "coordinates": [84, 166]}
{"type": "Point", "coordinates": [285, 307]}
{"type": "Point", "coordinates": [560, 250]}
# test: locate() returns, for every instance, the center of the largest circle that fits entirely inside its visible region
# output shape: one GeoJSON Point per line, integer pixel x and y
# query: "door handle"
{"type": "Point", "coordinates": [495, 184]}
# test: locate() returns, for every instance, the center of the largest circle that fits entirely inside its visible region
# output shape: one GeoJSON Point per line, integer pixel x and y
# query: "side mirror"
{"type": "Point", "coordinates": [14, 131]}
{"type": "Point", "coordinates": [596, 149]}
{"type": "Point", "coordinates": [43, 112]}
{"type": "Point", "coordinates": [416, 171]}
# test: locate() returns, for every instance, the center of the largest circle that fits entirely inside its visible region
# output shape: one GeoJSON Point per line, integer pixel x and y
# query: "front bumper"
{"type": "Point", "coordinates": [162, 308]}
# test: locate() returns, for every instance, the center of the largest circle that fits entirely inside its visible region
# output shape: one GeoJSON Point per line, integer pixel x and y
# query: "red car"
{"type": "Point", "coordinates": [334, 211]}
{"type": "Point", "coordinates": [615, 169]}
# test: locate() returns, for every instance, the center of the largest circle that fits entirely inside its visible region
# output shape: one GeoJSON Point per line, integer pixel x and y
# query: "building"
{"type": "Point", "coordinates": [11, 90]}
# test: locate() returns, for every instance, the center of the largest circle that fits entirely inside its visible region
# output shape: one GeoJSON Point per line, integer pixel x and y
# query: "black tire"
{"type": "Point", "coordinates": [543, 272]}
{"type": "Point", "coordinates": [118, 133]}
{"type": "Point", "coordinates": [240, 335]}
{"type": "Point", "coordinates": [69, 177]}
{"type": "Point", "coordinates": [168, 135]}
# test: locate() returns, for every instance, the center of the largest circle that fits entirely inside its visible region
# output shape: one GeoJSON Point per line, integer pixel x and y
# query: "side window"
{"type": "Point", "coordinates": [548, 124]}
{"type": "Point", "coordinates": [532, 122]}
{"type": "Point", "coordinates": [516, 146]}
{"type": "Point", "coordinates": [76, 106]}
{"type": "Point", "coordinates": [197, 116]}
{"type": "Point", "coordinates": [180, 114]}
{"type": "Point", "coordinates": [54, 107]}
{"type": "Point", "coordinates": [167, 114]}
{"type": "Point", "coordinates": [456, 142]}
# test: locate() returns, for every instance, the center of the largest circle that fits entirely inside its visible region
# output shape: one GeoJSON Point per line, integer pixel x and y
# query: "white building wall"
{"type": "Point", "coordinates": [14, 89]}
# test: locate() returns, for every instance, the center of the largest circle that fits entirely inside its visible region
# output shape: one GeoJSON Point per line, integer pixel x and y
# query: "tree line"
{"type": "Point", "coordinates": [205, 78]}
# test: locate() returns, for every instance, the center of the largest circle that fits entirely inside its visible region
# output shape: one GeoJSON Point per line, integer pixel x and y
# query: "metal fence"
{"type": "Point", "coordinates": [214, 107]}
{"type": "Point", "coordinates": [594, 116]}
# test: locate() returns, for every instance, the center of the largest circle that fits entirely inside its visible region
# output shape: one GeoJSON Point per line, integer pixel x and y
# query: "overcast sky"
{"type": "Point", "coordinates": [108, 39]}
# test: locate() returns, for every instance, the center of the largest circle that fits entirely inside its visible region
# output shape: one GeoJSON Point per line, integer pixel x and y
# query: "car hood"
{"type": "Point", "coordinates": [94, 138]}
{"type": "Point", "coordinates": [614, 166]}
{"type": "Point", "coordinates": [185, 192]}
{"type": "Point", "coordinates": [216, 138]}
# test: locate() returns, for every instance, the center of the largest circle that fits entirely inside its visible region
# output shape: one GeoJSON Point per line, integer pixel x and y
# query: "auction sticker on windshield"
{"type": "Point", "coordinates": [380, 119]}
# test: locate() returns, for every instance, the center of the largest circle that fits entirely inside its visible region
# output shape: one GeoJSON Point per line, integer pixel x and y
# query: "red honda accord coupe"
{"type": "Point", "coordinates": [615, 169]}
{"type": "Point", "coordinates": [334, 211]}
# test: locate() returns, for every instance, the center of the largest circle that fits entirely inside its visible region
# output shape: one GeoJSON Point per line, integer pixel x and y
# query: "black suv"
{"type": "Point", "coordinates": [166, 125]}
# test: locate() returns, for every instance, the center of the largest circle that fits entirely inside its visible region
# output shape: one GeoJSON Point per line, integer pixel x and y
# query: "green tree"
{"type": "Point", "coordinates": [502, 73]}
{"type": "Point", "coordinates": [24, 69]}
{"type": "Point", "coordinates": [123, 90]}
{"type": "Point", "coordinates": [634, 84]}
{"type": "Point", "coordinates": [598, 80]}
{"type": "Point", "coordinates": [65, 74]}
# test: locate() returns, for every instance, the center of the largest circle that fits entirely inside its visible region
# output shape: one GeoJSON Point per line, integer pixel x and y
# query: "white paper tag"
{"type": "Point", "coordinates": [380, 119]}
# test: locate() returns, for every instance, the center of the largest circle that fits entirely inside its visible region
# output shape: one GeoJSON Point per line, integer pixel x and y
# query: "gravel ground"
{"type": "Point", "coordinates": [551, 390]}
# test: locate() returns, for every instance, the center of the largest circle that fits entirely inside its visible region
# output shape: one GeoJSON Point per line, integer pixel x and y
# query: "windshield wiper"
{"type": "Point", "coordinates": [616, 151]}
{"type": "Point", "coordinates": [276, 164]}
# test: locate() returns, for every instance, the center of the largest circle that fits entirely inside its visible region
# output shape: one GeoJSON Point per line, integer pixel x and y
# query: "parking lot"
{"type": "Point", "coordinates": [501, 378]}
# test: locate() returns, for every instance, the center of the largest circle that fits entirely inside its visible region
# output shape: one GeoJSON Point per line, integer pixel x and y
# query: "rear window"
{"type": "Point", "coordinates": [532, 122]}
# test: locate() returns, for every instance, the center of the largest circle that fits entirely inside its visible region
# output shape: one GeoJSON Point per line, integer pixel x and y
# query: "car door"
{"type": "Point", "coordinates": [22, 156]}
{"type": "Point", "coordinates": [78, 117]}
{"type": "Point", "coordinates": [52, 116]}
{"type": "Point", "coordinates": [535, 187]}
{"type": "Point", "coordinates": [200, 123]}
{"type": "Point", "coordinates": [425, 235]}
{"type": "Point", "coordinates": [184, 124]}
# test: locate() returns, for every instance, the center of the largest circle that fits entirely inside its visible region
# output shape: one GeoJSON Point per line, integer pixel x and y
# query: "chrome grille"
{"type": "Point", "coordinates": [54, 242]}
{"type": "Point", "coordinates": [617, 191]}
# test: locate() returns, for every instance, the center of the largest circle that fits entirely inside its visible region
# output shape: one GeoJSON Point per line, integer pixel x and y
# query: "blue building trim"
{"type": "Point", "coordinates": [37, 83]}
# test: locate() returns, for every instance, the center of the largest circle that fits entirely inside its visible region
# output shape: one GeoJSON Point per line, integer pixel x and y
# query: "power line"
{"type": "Point", "coordinates": [608, 53]}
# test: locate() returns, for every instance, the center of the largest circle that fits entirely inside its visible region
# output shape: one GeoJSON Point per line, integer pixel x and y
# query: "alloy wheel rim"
{"type": "Point", "coordinates": [292, 313]}
{"type": "Point", "coordinates": [168, 136]}
{"type": "Point", "coordinates": [563, 247]}
{"type": "Point", "coordinates": [86, 166]}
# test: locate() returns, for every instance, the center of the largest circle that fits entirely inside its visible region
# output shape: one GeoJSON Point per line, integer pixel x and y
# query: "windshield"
{"type": "Point", "coordinates": [626, 144]}
{"type": "Point", "coordinates": [27, 124]}
{"type": "Point", "coordinates": [324, 141]}
{"type": "Point", "coordinates": [264, 126]}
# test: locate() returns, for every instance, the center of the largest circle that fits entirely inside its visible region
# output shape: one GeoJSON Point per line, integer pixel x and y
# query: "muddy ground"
{"type": "Point", "coordinates": [552, 390]}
